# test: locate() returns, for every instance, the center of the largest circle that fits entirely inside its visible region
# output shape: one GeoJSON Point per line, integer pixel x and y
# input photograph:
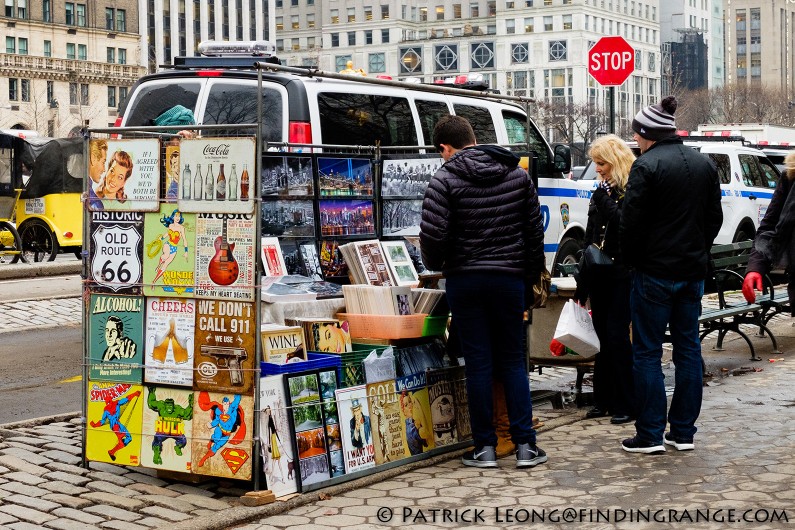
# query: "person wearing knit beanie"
{"type": "Point", "coordinates": [656, 122]}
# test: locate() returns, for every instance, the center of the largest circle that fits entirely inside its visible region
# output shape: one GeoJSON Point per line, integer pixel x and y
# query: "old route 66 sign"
{"type": "Point", "coordinates": [116, 256]}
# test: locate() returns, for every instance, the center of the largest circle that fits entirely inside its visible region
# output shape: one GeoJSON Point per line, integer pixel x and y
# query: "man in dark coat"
{"type": "Point", "coordinates": [482, 227]}
{"type": "Point", "coordinates": [671, 216]}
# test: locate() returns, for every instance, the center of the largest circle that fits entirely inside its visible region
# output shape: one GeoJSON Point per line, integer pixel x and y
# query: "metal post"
{"type": "Point", "coordinates": [611, 95]}
{"type": "Point", "coordinates": [256, 194]}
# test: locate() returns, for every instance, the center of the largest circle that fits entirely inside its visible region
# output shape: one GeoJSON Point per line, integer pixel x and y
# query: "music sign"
{"type": "Point", "coordinates": [116, 251]}
{"type": "Point", "coordinates": [225, 259]}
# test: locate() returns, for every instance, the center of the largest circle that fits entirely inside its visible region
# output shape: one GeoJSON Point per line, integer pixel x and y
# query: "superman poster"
{"type": "Point", "coordinates": [222, 435]}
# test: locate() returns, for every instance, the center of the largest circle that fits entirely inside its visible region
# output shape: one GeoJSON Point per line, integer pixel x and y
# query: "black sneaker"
{"type": "Point", "coordinates": [529, 455]}
{"type": "Point", "coordinates": [635, 445]}
{"type": "Point", "coordinates": [679, 443]}
{"type": "Point", "coordinates": [486, 456]}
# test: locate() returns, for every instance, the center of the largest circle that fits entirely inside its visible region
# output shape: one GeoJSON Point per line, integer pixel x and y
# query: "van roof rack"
{"type": "Point", "coordinates": [723, 139]}
{"type": "Point", "coordinates": [237, 62]}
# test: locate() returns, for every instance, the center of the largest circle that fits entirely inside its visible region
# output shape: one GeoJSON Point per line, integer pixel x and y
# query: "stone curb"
{"type": "Point", "coordinates": [243, 514]}
{"type": "Point", "coordinates": [7, 429]}
{"type": "Point", "coordinates": [33, 270]}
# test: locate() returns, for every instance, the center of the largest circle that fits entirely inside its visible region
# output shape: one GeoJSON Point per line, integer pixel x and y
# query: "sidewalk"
{"type": "Point", "coordinates": [744, 460]}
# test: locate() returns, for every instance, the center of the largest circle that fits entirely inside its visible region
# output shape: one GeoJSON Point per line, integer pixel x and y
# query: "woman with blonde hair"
{"type": "Point", "coordinates": [608, 288]}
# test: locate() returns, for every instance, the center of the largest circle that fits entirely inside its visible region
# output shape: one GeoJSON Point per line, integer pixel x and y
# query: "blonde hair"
{"type": "Point", "coordinates": [789, 162]}
{"type": "Point", "coordinates": [614, 151]}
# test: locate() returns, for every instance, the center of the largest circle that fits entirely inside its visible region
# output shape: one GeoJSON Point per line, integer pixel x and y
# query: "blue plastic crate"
{"type": "Point", "coordinates": [315, 361]}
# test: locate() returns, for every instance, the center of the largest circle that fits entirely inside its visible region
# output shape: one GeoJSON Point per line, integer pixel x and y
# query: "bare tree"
{"type": "Point", "coordinates": [575, 124]}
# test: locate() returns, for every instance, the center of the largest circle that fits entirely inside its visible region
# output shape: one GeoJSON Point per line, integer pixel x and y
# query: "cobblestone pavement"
{"type": "Point", "coordinates": [40, 313]}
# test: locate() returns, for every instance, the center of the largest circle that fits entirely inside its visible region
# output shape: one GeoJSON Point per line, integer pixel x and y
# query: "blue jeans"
{"type": "Point", "coordinates": [487, 311]}
{"type": "Point", "coordinates": [657, 303]}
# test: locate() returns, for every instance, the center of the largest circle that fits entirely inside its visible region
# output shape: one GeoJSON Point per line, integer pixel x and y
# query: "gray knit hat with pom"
{"type": "Point", "coordinates": [656, 122]}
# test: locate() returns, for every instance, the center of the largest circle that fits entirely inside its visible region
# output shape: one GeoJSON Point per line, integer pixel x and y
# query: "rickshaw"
{"type": "Point", "coordinates": [10, 188]}
{"type": "Point", "coordinates": [49, 213]}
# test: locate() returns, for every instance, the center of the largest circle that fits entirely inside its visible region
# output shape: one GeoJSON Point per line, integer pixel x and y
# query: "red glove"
{"type": "Point", "coordinates": [753, 280]}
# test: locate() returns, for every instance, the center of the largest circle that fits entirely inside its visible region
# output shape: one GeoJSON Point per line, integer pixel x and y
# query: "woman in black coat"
{"type": "Point", "coordinates": [608, 289]}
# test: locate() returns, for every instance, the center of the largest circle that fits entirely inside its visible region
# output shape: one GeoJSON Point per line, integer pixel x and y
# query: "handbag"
{"type": "Point", "coordinates": [575, 330]}
{"type": "Point", "coordinates": [541, 290]}
{"type": "Point", "coordinates": [595, 257]}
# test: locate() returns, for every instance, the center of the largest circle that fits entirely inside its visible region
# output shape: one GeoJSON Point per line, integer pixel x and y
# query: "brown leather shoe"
{"type": "Point", "coordinates": [501, 422]}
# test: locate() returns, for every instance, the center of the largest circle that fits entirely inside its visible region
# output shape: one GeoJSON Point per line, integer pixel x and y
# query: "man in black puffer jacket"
{"type": "Point", "coordinates": [482, 227]}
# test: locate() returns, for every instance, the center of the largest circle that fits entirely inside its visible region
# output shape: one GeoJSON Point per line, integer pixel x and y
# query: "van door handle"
{"type": "Point", "coordinates": [752, 197]}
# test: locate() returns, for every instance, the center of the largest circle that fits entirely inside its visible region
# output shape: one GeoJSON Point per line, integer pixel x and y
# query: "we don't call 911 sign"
{"type": "Point", "coordinates": [116, 251]}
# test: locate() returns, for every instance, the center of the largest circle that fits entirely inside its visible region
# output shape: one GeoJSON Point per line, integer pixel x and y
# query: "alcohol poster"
{"type": "Point", "coordinates": [278, 459]}
{"type": "Point", "coordinates": [220, 175]}
{"type": "Point", "coordinates": [115, 413]}
{"type": "Point", "coordinates": [225, 259]}
{"type": "Point", "coordinates": [225, 347]}
{"type": "Point", "coordinates": [129, 177]}
{"type": "Point", "coordinates": [356, 428]}
{"type": "Point", "coordinates": [167, 428]}
{"type": "Point", "coordinates": [415, 413]}
{"type": "Point", "coordinates": [169, 252]}
{"type": "Point", "coordinates": [389, 433]}
{"type": "Point", "coordinates": [116, 252]}
{"type": "Point", "coordinates": [115, 338]}
{"type": "Point", "coordinates": [222, 435]}
{"type": "Point", "coordinates": [170, 341]}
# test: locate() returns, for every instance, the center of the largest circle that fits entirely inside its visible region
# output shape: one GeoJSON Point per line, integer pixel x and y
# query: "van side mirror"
{"type": "Point", "coordinates": [562, 160]}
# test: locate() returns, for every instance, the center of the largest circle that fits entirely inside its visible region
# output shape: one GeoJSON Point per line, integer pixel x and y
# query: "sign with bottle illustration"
{"type": "Point", "coordinates": [116, 252]}
{"type": "Point", "coordinates": [170, 252]}
{"type": "Point", "coordinates": [225, 259]}
{"type": "Point", "coordinates": [215, 175]}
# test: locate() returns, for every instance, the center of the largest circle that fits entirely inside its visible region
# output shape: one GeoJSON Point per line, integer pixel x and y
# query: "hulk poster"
{"type": "Point", "coordinates": [222, 435]}
{"type": "Point", "coordinates": [114, 423]}
{"type": "Point", "coordinates": [169, 252]}
{"type": "Point", "coordinates": [167, 428]}
{"type": "Point", "coordinates": [115, 338]}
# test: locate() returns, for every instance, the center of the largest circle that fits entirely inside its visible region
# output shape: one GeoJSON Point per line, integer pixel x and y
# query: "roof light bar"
{"type": "Point", "coordinates": [259, 48]}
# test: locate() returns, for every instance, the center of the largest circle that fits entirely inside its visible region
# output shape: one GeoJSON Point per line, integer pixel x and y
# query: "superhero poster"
{"type": "Point", "coordinates": [225, 259]}
{"type": "Point", "coordinates": [115, 413]}
{"type": "Point", "coordinates": [115, 338]}
{"type": "Point", "coordinates": [225, 353]}
{"type": "Point", "coordinates": [169, 252]}
{"type": "Point", "coordinates": [167, 428]}
{"type": "Point", "coordinates": [222, 435]}
{"type": "Point", "coordinates": [116, 252]}
{"type": "Point", "coordinates": [278, 458]}
{"type": "Point", "coordinates": [170, 341]}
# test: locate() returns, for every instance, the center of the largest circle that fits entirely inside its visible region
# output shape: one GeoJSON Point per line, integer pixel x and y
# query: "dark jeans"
{"type": "Point", "coordinates": [657, 303]}
{"type": "Point", "coordinates": [487, 310]}
{"type": "Point", "coordinates": [613, 386]}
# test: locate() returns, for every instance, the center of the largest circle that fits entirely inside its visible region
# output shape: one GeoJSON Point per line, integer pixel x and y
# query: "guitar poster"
{"type": "Point", "coordinates": [169, 252]}
{"type": "Point", "coordinates": [219, 169]}
{"type": "Point", "coordinates": [116, 252]}
{"type": "Point", "coordinates": [225, 346]}
{"type": "Point", "coordinates": [225, 260]}
{"type": "Point", "coordinates": [115, 338]}
{"type": "Point", "coordinates": [222, 435]}
{"type": "Point", "coordinates": [170, 341]}
{"type": "Point", "coordinates": [115, 416]}
{"type": "Point", "coordinates": [129, 177]}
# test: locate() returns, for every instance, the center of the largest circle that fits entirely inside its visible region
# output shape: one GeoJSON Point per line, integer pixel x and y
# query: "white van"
{"type": "Point", "coordinates": [301, 106]}
{"type": "Point", "coordinates": [747, 181]}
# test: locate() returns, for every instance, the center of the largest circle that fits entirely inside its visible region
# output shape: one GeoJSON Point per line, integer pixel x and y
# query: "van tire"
{"type": "Point", "coordinates": [39, 244]}
{"type": "Point", "coordinates": [743, 233]}
{"type": "Point", "coordinates": [568, 252]}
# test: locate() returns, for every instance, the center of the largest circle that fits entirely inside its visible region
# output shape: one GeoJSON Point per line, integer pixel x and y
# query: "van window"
{"type": "Point", "coordinates": [516, 125]}
{"type": "Point", "coordinates": [752, 174]}
{"type": "Point", "coordinates": [481, 121]}
{"type": "Point", "coordinates": [363, 119]}
{"type": "Point", "coordinates": [769, 172]}
{"type": "Point", "coordinates": [230, 102]}
{"type": "Point", "coordinates": [430, 112]}
{"type": "Point", "coordinates": [724, 166]}
{"type": "Point", "coordinates": [155, 98]}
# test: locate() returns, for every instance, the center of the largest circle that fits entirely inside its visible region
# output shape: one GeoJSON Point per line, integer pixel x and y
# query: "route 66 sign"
{"type": "Point", "coordinates": [116, 252]}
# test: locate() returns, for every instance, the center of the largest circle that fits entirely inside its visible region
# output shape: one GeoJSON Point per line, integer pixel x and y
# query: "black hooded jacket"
{"type": "Point", "coordinates": [481, 214]}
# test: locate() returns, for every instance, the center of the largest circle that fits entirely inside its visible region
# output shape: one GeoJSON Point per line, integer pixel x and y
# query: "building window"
{"type": "Point", "coordinates": [482, 55]}
{"type": "Point", "coordinates": [122, 56]}
{"type": "Point", "coordinates": [83, 94]}
{"type": "Point", "coordinates": [335, 40]}
{"type": "Point", "coordinates": [310, 20]}
{"type": "Point", "coordinates": [122, 94]}
{"type": "Point", "coordinates": [652, 61]}
{"type": "Point", "coordinates": [109, 18]}
{"type": "Point", "coordinates": [439, 12]}
{"type": "Point", "coordinates": [310, 42]}
{"type": "Point", "coordinates": [547, 23]}
{"type": "Point", "coordinates": [351, 14]}
{"type": "Point", "coordinates": [12, 89]}
{"type": "Point", "coordinates": [410, 60]}
{"type": "Point", "coordinates": [474, 10]}
{"type": "Point", "coordinates": [456, 11]}
{"type": "Point", "coordinates": [638, 60]}
{"type": "Point", "coordinates": [557, 50]}
{"type": "Point", "coordinates": [70, 50]}
{"type": "Point", "coordinates": [50, 91]}
{"type": "Point", "coordinates": [335, 16]}
{"type": "Point", "coordinates": [376, 63]}
{"type": "Point", "coordinates": [121, 20]}
{"type": "Point", "coordinates": [81, 15]}
{"type": "Point", "coordinates": [423, 14]}
{"type": "Point", "coordinates": [529, 25]}
{"type": "Point", "coordinates": [46, 11]}
{"type": "Point", "coordinates": [111, 96]}
{"type": "Point", "coordinates": [111, 55]}
{"type": "Point", "coordinates": [519, 53]}
{"type": "Point", "coordinates": [446, 58]}
{"type": "Point", "coordinates": [385, 12]}
{"type": "Point", "coordinates": [567, 24]}
{"type": "Point", "coordinates": [351, 38]}
{"type": "Point", "coordinates": [294, 22]}
{"type": "Point", "coordinates": [70, 13]}
{"type": "Point", "coordinates": [279, 45]}
{"type": "Point", "coordinates": [341, 62]}
{"type": "Point", "coordinates": [510, 26]}
{"type": "Point", "coordinates": [82, 52]}
{"type": "Point", "coordinates": [368, 13]}
{"type": "Point", "coordinates": [368, 37]}
{"type": "Point", "coordinates": [491, 7]}
{"type": "Point", "coordinates": [279, 23]}
{"type": "Point", "coordinates": [23, 46]}
{"type": "Point", "coordinates": [384, 36]}
{"type": "Point", "coordinates": [11, 45]}
{"type": "Point", "coordinates": [73, 93]}
{"type": "Point", "coordinates": [48, 48]}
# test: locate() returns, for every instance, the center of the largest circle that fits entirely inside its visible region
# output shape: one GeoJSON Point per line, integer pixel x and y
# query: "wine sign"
{"type": "Point", "coordinates": [215, 175]}
{"type": "Point", "coordinates": [225, 260]}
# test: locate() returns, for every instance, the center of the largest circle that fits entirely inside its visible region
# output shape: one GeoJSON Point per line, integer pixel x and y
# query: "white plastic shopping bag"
{"type": "Point", "coordinates": [575, 330]}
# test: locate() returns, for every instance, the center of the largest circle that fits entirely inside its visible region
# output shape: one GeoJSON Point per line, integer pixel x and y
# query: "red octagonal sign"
{"type": "Point", "coordinates": [611, 61]}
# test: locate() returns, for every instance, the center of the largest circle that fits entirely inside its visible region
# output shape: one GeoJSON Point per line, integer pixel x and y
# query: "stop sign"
{"type": "Point", "coordinates": [611, 61]}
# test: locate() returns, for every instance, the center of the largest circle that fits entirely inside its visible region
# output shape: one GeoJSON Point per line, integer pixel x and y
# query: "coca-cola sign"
{"type": "Point", "coordinates": [216, 150]}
